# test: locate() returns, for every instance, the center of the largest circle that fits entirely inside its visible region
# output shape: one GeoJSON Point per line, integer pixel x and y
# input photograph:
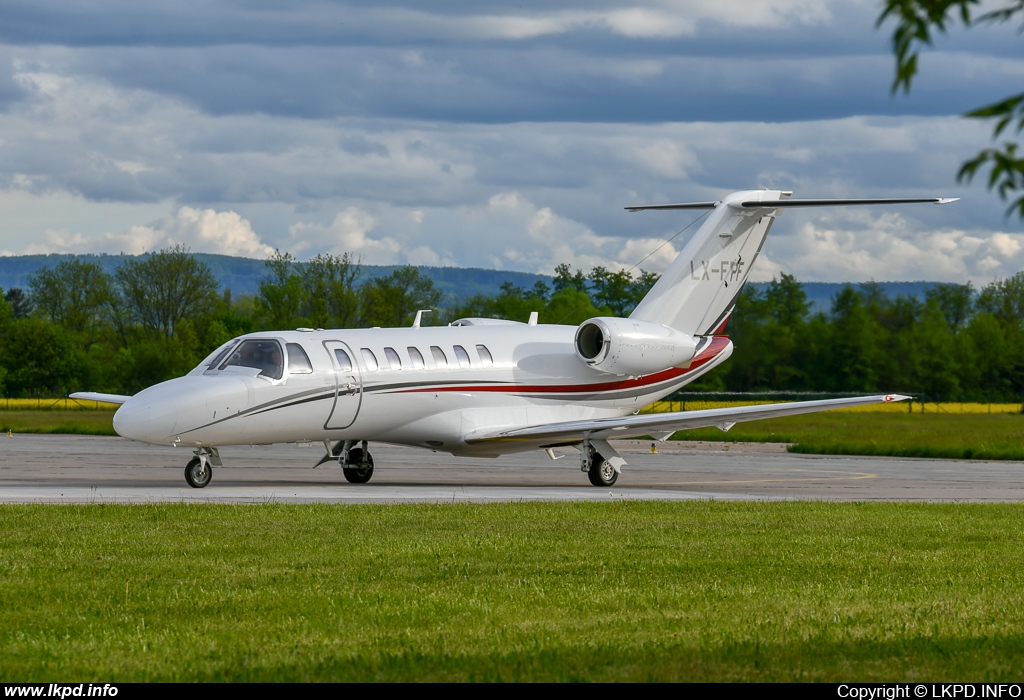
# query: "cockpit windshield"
{"type": "Point", "coordinates": [264, 355]}
{"type": "Point", "coordinates": [218, 355]}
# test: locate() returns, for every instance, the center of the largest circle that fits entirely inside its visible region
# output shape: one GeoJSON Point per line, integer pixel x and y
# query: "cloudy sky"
{"type": "Point", "coordinates": [492, 135]}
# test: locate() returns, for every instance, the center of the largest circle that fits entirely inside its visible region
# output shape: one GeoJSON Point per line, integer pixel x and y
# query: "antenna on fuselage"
{"type": "Point", "coordinates": [419, 317]}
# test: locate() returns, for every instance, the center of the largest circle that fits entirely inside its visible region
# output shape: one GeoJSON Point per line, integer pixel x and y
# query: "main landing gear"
{"type": "Point", "coordinates": [356, 462]}
{"type": "Point", "coordinates": [600, 471]}
{"type": "Point", "coordinates": [360, 465]}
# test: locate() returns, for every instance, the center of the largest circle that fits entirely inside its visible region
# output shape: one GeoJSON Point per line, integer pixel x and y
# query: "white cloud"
{"type": "Point", "coordinates": [348, 232]}
{"type": "Point", "coordinates": [201, 230]}
{"type": "Point", "coordinates": [886, 247]}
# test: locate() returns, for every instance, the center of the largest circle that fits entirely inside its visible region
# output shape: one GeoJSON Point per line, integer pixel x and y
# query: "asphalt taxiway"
{"type": "Point", "coordinates": [85, 469]}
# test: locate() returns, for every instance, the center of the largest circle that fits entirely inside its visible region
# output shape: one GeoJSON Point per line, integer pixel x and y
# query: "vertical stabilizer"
{"type": "Point", "coordinates": [698, 291]}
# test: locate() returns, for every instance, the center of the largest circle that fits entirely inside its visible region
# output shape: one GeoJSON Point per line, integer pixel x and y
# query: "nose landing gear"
{"type": "Point", "coordinates": [198, 473]}
{"type": "Point", "coordinates": [199, 470]}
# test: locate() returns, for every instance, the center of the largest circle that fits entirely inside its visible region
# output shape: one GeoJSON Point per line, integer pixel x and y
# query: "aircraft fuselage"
{"type": "Point", "coordinates": [431, 387]}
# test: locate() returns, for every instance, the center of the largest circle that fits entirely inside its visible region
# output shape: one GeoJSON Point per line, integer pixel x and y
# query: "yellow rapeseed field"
{"type": "Point", "coordinates": [62, 404]}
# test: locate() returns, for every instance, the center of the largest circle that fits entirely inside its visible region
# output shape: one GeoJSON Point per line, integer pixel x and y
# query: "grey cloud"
{"type": "Point", "coordinates": [496, 85]}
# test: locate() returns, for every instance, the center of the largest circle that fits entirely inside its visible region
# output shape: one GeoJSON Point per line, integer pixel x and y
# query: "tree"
{"type": "Point", "coordinates": [164, 288]}
{"type": "Point", "coordinates": [21, 305]}
{"type": "Point", "coordinates": [618, 291]}
{"type": "Point", "coordinates": [330, 298]}
{"type": "Point", "coordinates": [40, 358]}
{"type": "Point", "coordinates": [512, 302]}
{"type": "Point", "coordinates": [916, 20]}
{"type": "Point", "coordinates": [277, 303]}
{"type": "Point", "coordinates": [1004, 299]}
{"type": "Point", "coordinates": [74, 294]}
{"type": "Point", "coordinates": [565, 278]}
{"type": "Point", "coordinates": [954, 300]}
{"type": "Point", "coordinates": [391, 301]}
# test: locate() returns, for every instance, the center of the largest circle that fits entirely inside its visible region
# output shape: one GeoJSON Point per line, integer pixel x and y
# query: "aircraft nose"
{"type": "Point", "coordinates": [150, 416]}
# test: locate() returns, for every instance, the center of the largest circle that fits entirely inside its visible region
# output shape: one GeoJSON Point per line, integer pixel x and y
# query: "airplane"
{"type": "Point", "coordinates": [484, 387]}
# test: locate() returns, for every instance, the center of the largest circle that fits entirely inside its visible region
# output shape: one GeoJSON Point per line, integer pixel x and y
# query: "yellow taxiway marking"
{"type": "Point", "coordinates": [845, 476]}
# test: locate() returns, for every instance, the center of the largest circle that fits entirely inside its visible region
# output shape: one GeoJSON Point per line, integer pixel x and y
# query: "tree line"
{"type": "Point", "coordinates": [77, 327]}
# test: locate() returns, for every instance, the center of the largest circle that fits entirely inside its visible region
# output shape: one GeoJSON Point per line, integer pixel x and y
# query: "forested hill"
{"type": "Point", "coordinates": [242, 276]}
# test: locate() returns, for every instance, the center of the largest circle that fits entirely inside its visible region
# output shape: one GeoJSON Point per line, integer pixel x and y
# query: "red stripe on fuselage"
{"type": "Point", "coordinates": [716, 346]}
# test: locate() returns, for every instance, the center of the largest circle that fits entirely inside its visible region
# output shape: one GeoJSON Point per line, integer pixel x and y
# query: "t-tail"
{"type": "Point", "coordinates": [699, 290]}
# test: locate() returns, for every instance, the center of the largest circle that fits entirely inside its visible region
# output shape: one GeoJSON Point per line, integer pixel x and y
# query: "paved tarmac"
{"type": "Point", "coordinates": [86, 469]}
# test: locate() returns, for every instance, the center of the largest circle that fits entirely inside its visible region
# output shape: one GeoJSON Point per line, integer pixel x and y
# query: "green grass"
{"type": "Point", "coordinates": [58, 421]}
{"type": "Point", "coordinates": [949, 435]}
{"type": "Point", "coordinates": [611, 591]}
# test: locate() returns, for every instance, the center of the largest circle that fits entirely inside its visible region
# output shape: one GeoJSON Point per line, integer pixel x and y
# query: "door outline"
{"type": "Point", "coordinates": [352, 385]}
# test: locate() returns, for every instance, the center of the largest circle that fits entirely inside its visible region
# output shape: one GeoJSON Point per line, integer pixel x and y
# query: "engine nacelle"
{"type": "Point", "coordinates": [632, 347]}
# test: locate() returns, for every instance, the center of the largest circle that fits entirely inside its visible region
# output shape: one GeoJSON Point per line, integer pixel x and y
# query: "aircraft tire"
{"type": "Point", "coordinates": [358, 475]}
{"type": "Point", "coordinates": [194, 476]}
{"type": "Point", "coordinates": [601, 473]}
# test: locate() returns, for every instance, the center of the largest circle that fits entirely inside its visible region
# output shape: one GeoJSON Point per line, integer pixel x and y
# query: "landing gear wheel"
{"type": "Point", "coordinates": [196, 475]}
{"type": "Point", "coordinates": [601, 473]}
{"type": "Point", "coordinates": [356, 473]}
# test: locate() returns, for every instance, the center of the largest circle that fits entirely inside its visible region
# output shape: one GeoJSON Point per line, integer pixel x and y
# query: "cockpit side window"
{"type": "Point", "coordinates": [264, 355]}
{"type": "Point", "coordinates": [298, 360]}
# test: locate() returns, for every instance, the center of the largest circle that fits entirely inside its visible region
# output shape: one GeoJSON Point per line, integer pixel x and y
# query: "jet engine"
{"type": "Point", "coordinates": [632, 347]}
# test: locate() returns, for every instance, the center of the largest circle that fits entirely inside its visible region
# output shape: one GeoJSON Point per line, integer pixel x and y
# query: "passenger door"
{"type": "Point", "coordinates": [348, 393]}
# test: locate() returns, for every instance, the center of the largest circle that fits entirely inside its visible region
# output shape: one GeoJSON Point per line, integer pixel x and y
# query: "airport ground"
{"type": "Point", "coordinates": [90, 469]}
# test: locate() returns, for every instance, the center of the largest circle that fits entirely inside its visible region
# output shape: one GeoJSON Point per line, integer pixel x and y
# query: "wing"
{"type": "Point", "coordinates": [664, 424]}
{"type": "Point", "coordinates": [102, 398]}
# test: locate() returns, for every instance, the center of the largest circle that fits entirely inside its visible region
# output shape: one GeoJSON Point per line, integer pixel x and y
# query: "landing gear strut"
{"type": "Point", "coordinates": [356, 463]}
{"type": "Point", "coordinates": [600, 471]}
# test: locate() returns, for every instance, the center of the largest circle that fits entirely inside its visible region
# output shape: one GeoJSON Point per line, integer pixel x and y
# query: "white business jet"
{"type": "Point", "coordinates": [483, 387]}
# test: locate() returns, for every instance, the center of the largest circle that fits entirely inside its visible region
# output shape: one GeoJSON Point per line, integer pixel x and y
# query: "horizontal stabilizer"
{"type": "Point", "coordinates": [779, 203]}
{"type": "Point", "coordinates": [690, 205]}
{"type": "Point", "coordinates": [788, 203]}
{"type": "Point", "coordinates": [667, 423]}
{"type": "Point", "coordinates": [102, 398]}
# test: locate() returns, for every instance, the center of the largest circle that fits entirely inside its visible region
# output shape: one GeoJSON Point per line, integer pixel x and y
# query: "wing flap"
{"type": "Point", "coordinates": [664, 424]}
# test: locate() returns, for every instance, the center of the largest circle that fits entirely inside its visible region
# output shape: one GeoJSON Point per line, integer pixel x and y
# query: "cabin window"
{"type": "Point", "coordinates": [415, 358]}
{"type": "Point", "coordinates": [298, 360]}
{"type": "Point", "coordinates": [393, 359]}
{"type": "Point", "coordinates": [370, 359]}
{"type": "Point", "coordinates": [344, 361]}
{"type": "Point", "coordinates": [439, 357]}
{"type": "Point", "coordinates": [264, 355]}
{"type": "Point", "coordinates": [485, 356]}
{"type": "Point", "coordinates": [462, 355]}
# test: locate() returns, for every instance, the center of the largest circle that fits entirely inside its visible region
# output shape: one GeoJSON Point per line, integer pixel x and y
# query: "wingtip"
{"type": "Point", "coordinates": [947, 200]}
{"type": "Point", "coordinates": [893, 398]}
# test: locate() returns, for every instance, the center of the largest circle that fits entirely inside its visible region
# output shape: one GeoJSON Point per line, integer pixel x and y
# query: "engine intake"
{"type": "Point", "coordinates": [631, 347]}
